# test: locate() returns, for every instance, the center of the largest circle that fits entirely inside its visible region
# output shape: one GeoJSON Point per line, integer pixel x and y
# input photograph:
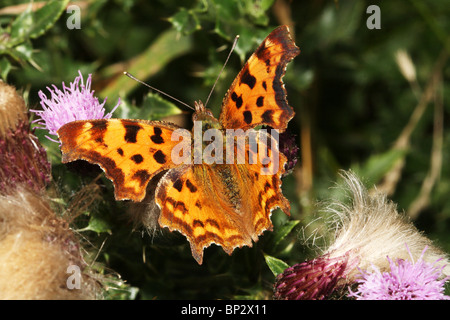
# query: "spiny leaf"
{"type": "Point", "coordinates": [45, 17]}
{"type": "Point", "coordinates": [30, 25]}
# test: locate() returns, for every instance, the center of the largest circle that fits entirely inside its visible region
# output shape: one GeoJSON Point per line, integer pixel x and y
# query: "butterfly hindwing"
{"type": "Point", "coordinates": [257, 95]}
{"type": "Point", "coordinates": [226, 204]}
{"type": "Point", "coordinates": [129, 151]}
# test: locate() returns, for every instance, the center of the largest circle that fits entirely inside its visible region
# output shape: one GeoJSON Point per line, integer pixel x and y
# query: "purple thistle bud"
{"type": "Point", "coordinates": [311, 280]}
{"type": "Point", "coordinates": [23, 161]}
{"type": "Point", "coordinates": [76, 102]}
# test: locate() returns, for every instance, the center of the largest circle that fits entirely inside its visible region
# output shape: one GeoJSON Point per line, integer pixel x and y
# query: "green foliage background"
{"type": "Point", "coordinates": [353, 111]}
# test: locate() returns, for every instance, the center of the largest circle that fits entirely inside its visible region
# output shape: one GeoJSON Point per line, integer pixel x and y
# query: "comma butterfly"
{"type": "Point", "coordinates": [228, 204]}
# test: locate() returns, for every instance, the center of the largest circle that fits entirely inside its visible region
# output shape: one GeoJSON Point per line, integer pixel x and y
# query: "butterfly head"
{"type": "Point", "coordinates": [205, 116]}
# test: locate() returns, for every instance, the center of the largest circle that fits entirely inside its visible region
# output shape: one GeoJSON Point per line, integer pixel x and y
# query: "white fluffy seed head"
{"type": "Point", "coordinates": [371, 229]}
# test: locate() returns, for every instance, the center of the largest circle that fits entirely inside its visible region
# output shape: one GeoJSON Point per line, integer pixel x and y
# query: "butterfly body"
{"type": "Point", "coordinates": [211, 190]}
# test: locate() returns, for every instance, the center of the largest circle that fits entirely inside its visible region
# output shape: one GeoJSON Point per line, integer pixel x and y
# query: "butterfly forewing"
{"type": "Point", "coordinates": [129, 151]}
{"type": "Point", "coordinates": [257, 95]}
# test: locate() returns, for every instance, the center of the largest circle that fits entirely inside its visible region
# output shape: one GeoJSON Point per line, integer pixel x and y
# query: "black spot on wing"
{"type": "Point", "coordinates": [160, 157]}
{"type": "Point", "coordinates": [248, 117]}
{"type": "Point", "coordinates": [131, 131]}
{"type": "Point", "coordinates": [247, 78]}
{"type": "Point", "coordinates": [99, 128]}
{"type": "Point", "coordinates": [237, 99]}
{"type": "Point", "coordinates": [137, 158]}
{"type": "Point", "coordinates": [264, 84]}
{"type": "Point", "coordinates": [99, 139]}
{"type": "Point", "coordinates": [178, 184]}
{"type": "Point", "coordinates": [267, 62]}
{"type": "Point", "coordinates": [99, 125]}
{"type": "Point", "coordinates": [260, 101]}
{"type": "Point", "coordinates": [190, 186]}
{"type": "Point", "coordinates": [156, 138]}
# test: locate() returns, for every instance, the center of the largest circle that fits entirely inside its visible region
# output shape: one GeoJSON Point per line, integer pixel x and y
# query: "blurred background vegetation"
{"type": "Point", "coordinates": [356, 105]}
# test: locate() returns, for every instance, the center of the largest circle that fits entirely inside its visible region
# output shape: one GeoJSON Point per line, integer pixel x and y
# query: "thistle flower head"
{"type": "Point", "coordinates": [366, 232]}
{"type": "Point", "coordinates": [406, 280]}
{"type": "Point", "coordinates": [76, 102]}
{"type": "Point", "coordinates": [23, 161]}
{"type": "Point", "coordinates": [311, 280]}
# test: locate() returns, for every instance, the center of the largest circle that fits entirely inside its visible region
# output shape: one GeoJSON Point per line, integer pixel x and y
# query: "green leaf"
{"type": "Point", "coordinates": [256, 10]}
{"type": "Point", "coordinates": [185, 21]}
{"type": "Point", "coordinates": [167, 47]}
{"type": "Point", "coordinates": [23, 52]}
{"type": "Point", "coordinates": [5, 67]}
{"type": "Point", "coordinates": [97, 224]}
{"type": "Point", "coordinates": [154, 107]}
{"type": "Point", "coordinates": [30, 25]}
{"type": "Point", "coordinates": [157, 107]}
{"type": "Point", "coordinates": [275, 265]}
{"type": "Point", "coordinates": [20, 27]}
{"type": "Point", "coordinates": [45, 17]}
{"type": "Point", "coordinates": [282, 232]}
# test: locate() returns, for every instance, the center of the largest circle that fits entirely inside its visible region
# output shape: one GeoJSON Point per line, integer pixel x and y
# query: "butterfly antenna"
{"type": "Point", "coordinates": [157, 90]}
{"type": "Point", "coordinates": [223, 67]}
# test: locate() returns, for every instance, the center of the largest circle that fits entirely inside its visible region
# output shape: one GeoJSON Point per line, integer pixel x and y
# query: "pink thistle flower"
{"type": "Point", "coordinates": [407, 280]}
{"type": "Point", "coordinates": [76, 102]}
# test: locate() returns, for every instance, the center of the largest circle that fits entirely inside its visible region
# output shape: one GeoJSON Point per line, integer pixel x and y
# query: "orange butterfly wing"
{"type": "Point", "coordinates": [226, 204]}
{"type": "Point", "coordinates": [130, 152]}
{"type": "Point", "coordinates": [257, 95]}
